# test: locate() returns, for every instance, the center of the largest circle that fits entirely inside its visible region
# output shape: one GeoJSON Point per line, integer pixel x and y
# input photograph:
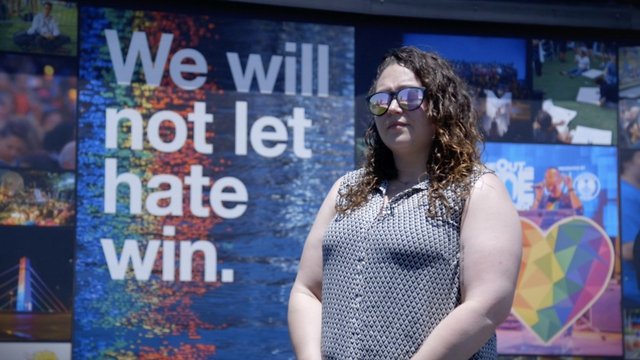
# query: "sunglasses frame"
{"type": "Point", "coordinates": [394, 96]}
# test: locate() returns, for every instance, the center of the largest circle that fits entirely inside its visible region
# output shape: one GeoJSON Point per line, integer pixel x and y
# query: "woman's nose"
{"type": "Point", "coordinates": [394, 107]}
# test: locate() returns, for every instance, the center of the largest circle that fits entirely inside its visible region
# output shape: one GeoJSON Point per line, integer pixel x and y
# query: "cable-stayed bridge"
{"type": "Point", "coordinates": [23, 290]}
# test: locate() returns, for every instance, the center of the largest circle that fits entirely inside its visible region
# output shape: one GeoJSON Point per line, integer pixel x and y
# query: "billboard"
{"type": "Point", "coordinates": [205, 146]}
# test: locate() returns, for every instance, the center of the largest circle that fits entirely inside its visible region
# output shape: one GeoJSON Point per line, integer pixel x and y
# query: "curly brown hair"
{"type": "Point", "coordinates": [454, 152]}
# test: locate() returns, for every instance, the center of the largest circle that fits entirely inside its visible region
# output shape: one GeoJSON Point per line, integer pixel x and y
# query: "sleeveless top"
{"type": "Point", "coordinates": [390, 274]}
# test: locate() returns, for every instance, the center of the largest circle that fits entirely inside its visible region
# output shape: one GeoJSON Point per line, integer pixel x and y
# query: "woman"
{"type": "Point", "coordinates": [416, 255]}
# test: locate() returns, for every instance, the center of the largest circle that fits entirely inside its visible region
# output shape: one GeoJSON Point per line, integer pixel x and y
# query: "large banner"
{"type": "Point", "coordinates": [206, 144]}
{"type": "Point", "coordinates": [568, 294]}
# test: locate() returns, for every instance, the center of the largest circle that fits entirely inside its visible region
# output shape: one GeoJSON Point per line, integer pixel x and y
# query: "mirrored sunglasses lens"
{"type": "Point", "coordinates": [379, 103]}
{"type": "Point", "coordinates": [410, 98]}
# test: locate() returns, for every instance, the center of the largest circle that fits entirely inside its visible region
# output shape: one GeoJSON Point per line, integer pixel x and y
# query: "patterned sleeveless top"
{"type": "Point", "coordinates": [390, 275]}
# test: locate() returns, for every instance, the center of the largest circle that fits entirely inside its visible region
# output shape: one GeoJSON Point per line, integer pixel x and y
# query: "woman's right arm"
{"type": "Point", "coordinates": [305, 301]}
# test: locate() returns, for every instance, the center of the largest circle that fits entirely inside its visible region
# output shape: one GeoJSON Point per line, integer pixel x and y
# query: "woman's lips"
{"type": "Point", "coordinates": [396, 124]}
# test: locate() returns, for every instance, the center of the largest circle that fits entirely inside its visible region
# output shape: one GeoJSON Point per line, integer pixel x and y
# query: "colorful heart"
{"type": "Point", "coordinates": [563, 272]}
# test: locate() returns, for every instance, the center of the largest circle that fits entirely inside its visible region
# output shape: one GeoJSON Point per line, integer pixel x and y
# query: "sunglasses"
{"type": "Point", "coordinates": [409, 98]}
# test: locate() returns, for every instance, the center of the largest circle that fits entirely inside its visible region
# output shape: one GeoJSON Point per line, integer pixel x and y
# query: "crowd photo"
{"type": "Point", "coordinates": [37, 114]}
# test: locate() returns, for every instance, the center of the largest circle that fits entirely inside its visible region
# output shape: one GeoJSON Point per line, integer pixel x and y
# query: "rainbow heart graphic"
{"type": "Point", "coordinates": [563, 272]}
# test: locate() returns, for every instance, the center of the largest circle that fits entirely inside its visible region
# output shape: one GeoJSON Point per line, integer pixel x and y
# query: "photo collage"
{"type": "Point", "coordinates": [38, 115]}
{"type": "Point", "coordinates": [560, 116]}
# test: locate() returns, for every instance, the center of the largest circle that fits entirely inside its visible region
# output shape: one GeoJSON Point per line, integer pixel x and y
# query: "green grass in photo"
{"type": "Point", "coordinates": [563, 90]}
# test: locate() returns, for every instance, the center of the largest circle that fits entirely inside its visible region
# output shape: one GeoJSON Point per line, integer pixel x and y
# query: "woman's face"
{"type": "Point", "coordinates": [403, 131]}
{"type": "Point", "coordinates": [10, 148]}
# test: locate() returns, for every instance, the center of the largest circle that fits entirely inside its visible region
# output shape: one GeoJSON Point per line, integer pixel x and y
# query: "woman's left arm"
{"type": "Point", "coordinates": [491, 247]}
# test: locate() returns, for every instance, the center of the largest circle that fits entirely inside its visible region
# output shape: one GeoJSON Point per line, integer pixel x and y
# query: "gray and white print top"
{"type": "Point", "coordinates": [390, 275]}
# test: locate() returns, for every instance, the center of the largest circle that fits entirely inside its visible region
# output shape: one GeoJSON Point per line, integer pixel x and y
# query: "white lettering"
{"type": "Point", "coordinates": [237, 194]}
{"type": "Point", "coordinates": [224, 190]}
{"type": "Point", "coordinates": [111, 182]}
{"type": "Point", "coordinates": [187, 249]}
{"type": "Point", "coordinates": [130, 254]}
{"type": "Point", "coordinates": [138, 47]}
{"type": "Point", "coordinates": [269, 128]}
{"type": "Point", "coordinates": [178, 66]}
{"type": "Point", "coordinates": [254, 68]}
{"type": "Point", "coordinates": [183, 61]}
{"type": "Point", "coordinates": [266, 80]}
{"type": "Point", "coordinates": [143, 265]}
{"type": "Point", "coordinates": [113, 117]}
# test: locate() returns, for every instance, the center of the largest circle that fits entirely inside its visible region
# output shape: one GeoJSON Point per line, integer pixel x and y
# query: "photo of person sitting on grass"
{"type": "Point", "coordinates": [48, 27]}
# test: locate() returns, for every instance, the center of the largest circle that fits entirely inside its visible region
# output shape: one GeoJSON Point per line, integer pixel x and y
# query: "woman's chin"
{"type": "Point", "coordinates": [404, 146]}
